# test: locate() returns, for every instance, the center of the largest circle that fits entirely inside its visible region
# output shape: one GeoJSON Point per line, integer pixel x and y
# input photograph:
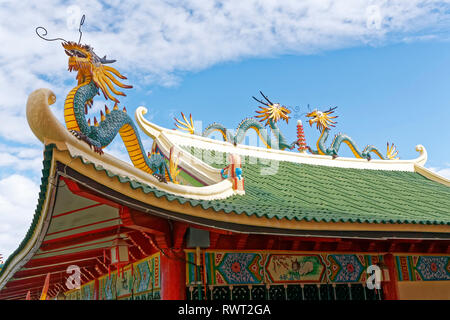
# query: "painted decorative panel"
{"type": "Point", "coordinates": [87, 291]}
{"type": "Point", "coordinates": [147, 275]}
{"type": "Point", "coordinates": [108, 287]}
{"type": "Point", "coordinates": [282, 268]}
{"type": "Point", "coordinates": [423, 268]}
{"type": "Point", "coordinates": [124, 283]}
{"type": "Point", "coordinates": [252, 268]}
{"type": "Point", "coordinates": [344, 268]}
{"type": "Point", "coordinates": [140, 281]}
{"type": "Point", "coordinates": [73, 295]}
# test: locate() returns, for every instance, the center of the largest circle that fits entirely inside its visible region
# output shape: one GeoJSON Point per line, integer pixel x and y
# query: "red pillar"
{"type": "Point", "coordinates": [173, 276]}
{"type": "Point", "coordinates": [390, 288]}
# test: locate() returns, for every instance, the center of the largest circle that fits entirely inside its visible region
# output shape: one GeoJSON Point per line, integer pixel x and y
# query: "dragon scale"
{"type": "Point", "coordinates": [114, 122]}
{"type": "Point", "coordinates": [337, 142]}
{"type": "Point", "coordinates": [247, 124]}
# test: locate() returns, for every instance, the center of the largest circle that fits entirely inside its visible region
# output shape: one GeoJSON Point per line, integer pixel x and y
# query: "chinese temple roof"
{"type": "Point", "coordinates": [188, 178]}
{"type": "Point", "coordinates": [283, 192]}
{"type": "Point", "coordinates": [318, 193]}
{"type": "Point", "coordinates": [280, 185]}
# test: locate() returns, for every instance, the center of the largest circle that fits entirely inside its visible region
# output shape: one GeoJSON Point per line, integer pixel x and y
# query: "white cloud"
{"type": "Point", "coordinates": [445, 172]}
{"type": "Point", "coordinates": [18, 200]}
{"type": "Point", "coordinates": [154, 41]}
{"type": "Point", "coordinates": [21, 158]}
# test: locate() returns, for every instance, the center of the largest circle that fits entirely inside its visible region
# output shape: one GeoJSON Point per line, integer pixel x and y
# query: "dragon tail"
{"type": "Point", "coordinates": [370, 148]}
{"type": "Point", "coordinates": [134, 147]}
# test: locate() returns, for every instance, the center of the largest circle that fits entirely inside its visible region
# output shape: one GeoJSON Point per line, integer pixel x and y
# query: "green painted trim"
{"type": "Point", "coordinates": [189, 179]}
{"type": "Point", "coordinates": [48, 155]}
{"type": "Point", "coordinates": [318, 186]}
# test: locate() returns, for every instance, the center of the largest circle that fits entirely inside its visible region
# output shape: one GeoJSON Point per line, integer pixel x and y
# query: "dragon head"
{"type": "Point", "coordinates": [272, 111]}
{"type": "Point", "coordinates": [89, 65]}
{"type": "Point", "coordinates": [322, 119]}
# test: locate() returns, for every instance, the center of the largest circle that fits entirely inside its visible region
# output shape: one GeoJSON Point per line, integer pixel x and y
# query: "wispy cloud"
{"type": "Point", "coordinates": [157, 41]}
{"type": "Point", "coordinates": [445, 172]}
{"type": "Point", "coordinates": [18, 199]}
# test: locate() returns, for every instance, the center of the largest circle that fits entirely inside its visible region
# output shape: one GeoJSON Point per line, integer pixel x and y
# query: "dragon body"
{"type": "Point", "coordinates": [338, 140]}
{"type": "Point", "coordinates": [238, 136]}
{"type": "Point", "coordinates": [272, 113]}
{"type": "Point", "coordinates": [93, 76]}
{"type": "Point", "coordinates": [324, 121]}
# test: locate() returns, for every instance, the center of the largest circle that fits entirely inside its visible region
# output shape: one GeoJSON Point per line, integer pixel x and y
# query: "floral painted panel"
{"type": "Point", "coordinates": [423, 268]}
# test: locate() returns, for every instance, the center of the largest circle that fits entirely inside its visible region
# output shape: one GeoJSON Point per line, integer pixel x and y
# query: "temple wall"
{"type": "Point", "coordinates": [424, 277]}
{"type": "Point", "coordinates": [421, 290]}
{"type": "Point", "coordinates": [266, 274]}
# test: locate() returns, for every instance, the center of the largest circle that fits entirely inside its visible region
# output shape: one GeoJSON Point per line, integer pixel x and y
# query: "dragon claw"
{"type": "Point", "coordinates": [99, 150]}
{"type": "Point", "coordinates": [160, 177]}
{"type": "Point", "coordinates": [81, 136]}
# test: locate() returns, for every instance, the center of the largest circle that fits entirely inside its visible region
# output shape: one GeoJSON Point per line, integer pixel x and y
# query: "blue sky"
{"type": "Point", "coordinates": [397, 93]}
{"type": "Point", "coordinates": [386, 65]}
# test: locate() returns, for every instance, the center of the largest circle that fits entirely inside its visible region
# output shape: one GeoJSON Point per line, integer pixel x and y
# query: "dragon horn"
{"type": "Point", "coordinates": [260, 101]}
{"type": "Point", "coordinates": [106, 61]}
{"type": "Point", "coordinates": [331, 109]}
{"type": "Point", "coordinates": [107, 109]}
{"type": "Point", "coordinates": [265, 97]}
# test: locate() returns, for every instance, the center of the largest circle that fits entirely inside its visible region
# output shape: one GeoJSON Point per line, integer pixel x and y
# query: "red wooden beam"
{"type": "Point", "coordinates": [104, 243]}
{"type": "Point", "coordinates": [270, 243]}
{"type": "Point", "coordinates": [144, 222]}
{"type": "Point", "coordinates": [103, 265]}
{"type": "Point", "coordinates": [210, 229]}
{"type": "Point", "coordinates": [76, 210]}
{"type": "Point", "coordinates": [344, 245]}
{"type": "Point", "coordinates": [72, 257]}
{"type": "Point", "coordinates": [242, 241]}
{"type": "Point", "coordinates": [178, 233]}
{"type": "Point", "coordinates": [142, 239]}
{"type": "Point", "coordinates": [79, 238]}
{"type": "Point", "coordinates": [57, 268]}
{"type": "Point", "coordinates": [213, 238]}
{"type": "Point", "coordinates": [392, 247]}
{"type": "Point", "coordinates": [33, 287]}
{"type": "Point", "coordinates": [30, 282]}
{"type": "Point", "coordinates": [84, 192]}
{"type": "Point", "coordinates": [295, 244]}
{"type": "Point", "coordinates": [163, 241]}
{"type": "Point", "coordinates": [317, 246]}
{"type": "Point", "coordinates": [431, 246]}
{"type": "Point", "coordinates": [140, 243]}
{"type": "Point", "coordinates": [372, 246]}
{"type": "Point", "coordinates": [96, 223]}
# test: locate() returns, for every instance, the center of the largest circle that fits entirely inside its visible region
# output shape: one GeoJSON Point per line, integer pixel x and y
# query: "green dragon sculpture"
{"type": "Point", "coordinates": [271, 113]}
{"type": "Point", "coordinates": [93, 76]}
{"type": "Point", "coordinates": [324, 121]}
